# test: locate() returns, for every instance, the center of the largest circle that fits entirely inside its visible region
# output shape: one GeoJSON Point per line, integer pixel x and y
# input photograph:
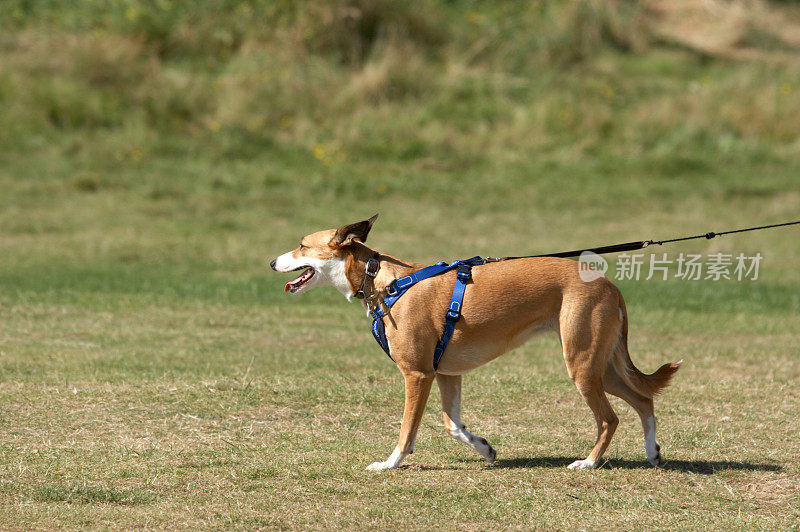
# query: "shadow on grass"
{"type": "Point", "coordinates": [699, 467]}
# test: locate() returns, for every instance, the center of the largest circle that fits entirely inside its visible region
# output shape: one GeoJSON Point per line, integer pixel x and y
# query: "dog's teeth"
{"type": "Point", "coordinates": [293, 286]}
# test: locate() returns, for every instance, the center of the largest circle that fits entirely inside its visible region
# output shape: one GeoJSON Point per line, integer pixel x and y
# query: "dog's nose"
{"type": "Point", "coordinates": [272, 263]}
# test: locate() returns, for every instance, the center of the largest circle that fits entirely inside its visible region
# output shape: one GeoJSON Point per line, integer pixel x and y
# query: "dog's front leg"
{"type": "Point", "coordinates": [418, 387]}
{"type": "Point", "coordinates": [450, 389]}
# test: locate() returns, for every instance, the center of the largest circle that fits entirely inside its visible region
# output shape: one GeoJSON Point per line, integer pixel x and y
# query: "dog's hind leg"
{"type": "Point", "coordinates": [615, 385]}
{"type": "Point", "coordinates": [604, 415]}
{"type": "Point", "coordinates": [587, 339]}
{"type": "Point", "coordinates": [450, 390]}
{"type": "Point", "coordinates": [418, 387]}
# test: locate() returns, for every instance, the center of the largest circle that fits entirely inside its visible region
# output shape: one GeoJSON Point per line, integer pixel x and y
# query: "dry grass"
{"type": "Point", "coordinates": [335, 71]}
{"type": "Point", "coordinates": [742, 30]}
{"type": "Point", "coordinates": [212, 438]}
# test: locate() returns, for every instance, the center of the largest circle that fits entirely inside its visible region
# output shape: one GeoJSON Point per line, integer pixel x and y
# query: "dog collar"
{"type": "Point", "coordinates": [367, 290]}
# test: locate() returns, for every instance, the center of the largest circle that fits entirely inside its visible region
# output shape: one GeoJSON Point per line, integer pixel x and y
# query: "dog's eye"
{"type": "Point", "coordinates": [302, 246]}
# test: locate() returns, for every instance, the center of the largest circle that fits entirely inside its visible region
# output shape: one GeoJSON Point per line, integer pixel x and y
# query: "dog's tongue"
{"type": "Point", "coordinates": [290, 284]}
{"type": "Point", "coordinates": [301, 280]}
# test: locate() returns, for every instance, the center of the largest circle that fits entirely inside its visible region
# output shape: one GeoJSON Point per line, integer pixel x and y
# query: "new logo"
{"type": "Point", "coordinates": [591, 266]}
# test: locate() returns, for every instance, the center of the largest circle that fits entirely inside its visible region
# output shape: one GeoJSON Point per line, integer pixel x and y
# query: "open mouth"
{"type": "Point", "coordinates": [297, 284]}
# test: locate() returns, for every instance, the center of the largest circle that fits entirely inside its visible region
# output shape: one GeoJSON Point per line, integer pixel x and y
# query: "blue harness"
{"type": "Point", "coordinates": [400, 286]}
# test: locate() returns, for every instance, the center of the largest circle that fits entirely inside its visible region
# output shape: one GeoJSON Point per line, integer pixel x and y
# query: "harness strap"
{"type": "Point", "coordinates": [379, 332]}
{"type": "Point", "coordinates": [399, 286]}
{"type": "Point", "coordinates": [463, 275]}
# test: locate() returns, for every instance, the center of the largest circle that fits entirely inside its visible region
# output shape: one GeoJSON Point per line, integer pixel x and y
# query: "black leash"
{"type": "Point", "coordinates": [641, 244]}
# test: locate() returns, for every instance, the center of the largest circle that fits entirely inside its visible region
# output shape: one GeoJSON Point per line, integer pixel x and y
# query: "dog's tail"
{"type": "Point", "coordinates": [643, 384]}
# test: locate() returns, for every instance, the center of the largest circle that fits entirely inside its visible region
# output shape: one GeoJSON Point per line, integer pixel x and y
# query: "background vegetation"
{"type": "Point", "coordinates": [154, 154]}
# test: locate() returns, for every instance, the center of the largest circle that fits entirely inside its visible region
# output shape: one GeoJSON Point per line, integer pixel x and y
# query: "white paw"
{"type": "Point", "coordinates": [653, 449]}
{"type": "Point", "coordinates": [489, 454]}
{"type": "Point", "coordinates": [379, 466]}
{"type": "Point", "coordinates": [582, 464]}
{"type": "Point", "coordinates": [657, 460]}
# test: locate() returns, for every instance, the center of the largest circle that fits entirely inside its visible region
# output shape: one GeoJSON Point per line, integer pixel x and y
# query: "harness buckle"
{"type": "Point", "coordinates": [373, 265]}
{"type": "Point", "coordinates": [464, 272]}
{"type": "Point", "coordinates": [494, 259]}
{"type": "Point", "coordinates": [454, 311]}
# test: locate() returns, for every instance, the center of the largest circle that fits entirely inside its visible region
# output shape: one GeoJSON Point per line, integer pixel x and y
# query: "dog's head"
{"type": "Point", "coordinates": [323, 257]}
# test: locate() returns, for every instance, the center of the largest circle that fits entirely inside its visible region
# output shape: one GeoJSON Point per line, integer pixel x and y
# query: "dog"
{"type": "Point", "coordinates": [505, 304]}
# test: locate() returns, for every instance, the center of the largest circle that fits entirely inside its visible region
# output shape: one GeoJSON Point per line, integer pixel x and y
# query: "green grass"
{"type": "Point", "coordinates": [155, 155]}
{"type": "Point", "coordinates": [86, 495]}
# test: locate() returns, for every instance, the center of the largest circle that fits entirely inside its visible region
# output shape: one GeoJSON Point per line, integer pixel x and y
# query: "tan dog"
{"type": "Point", "coordinates": [505, 304]}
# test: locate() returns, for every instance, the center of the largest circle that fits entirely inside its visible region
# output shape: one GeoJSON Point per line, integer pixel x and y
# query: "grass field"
{"type": "Point", "coordinates": [154, 155]}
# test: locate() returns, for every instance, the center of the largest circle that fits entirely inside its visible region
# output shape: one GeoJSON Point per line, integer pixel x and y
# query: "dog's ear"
{"type": "Point", "coordinates": [345, 236]}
